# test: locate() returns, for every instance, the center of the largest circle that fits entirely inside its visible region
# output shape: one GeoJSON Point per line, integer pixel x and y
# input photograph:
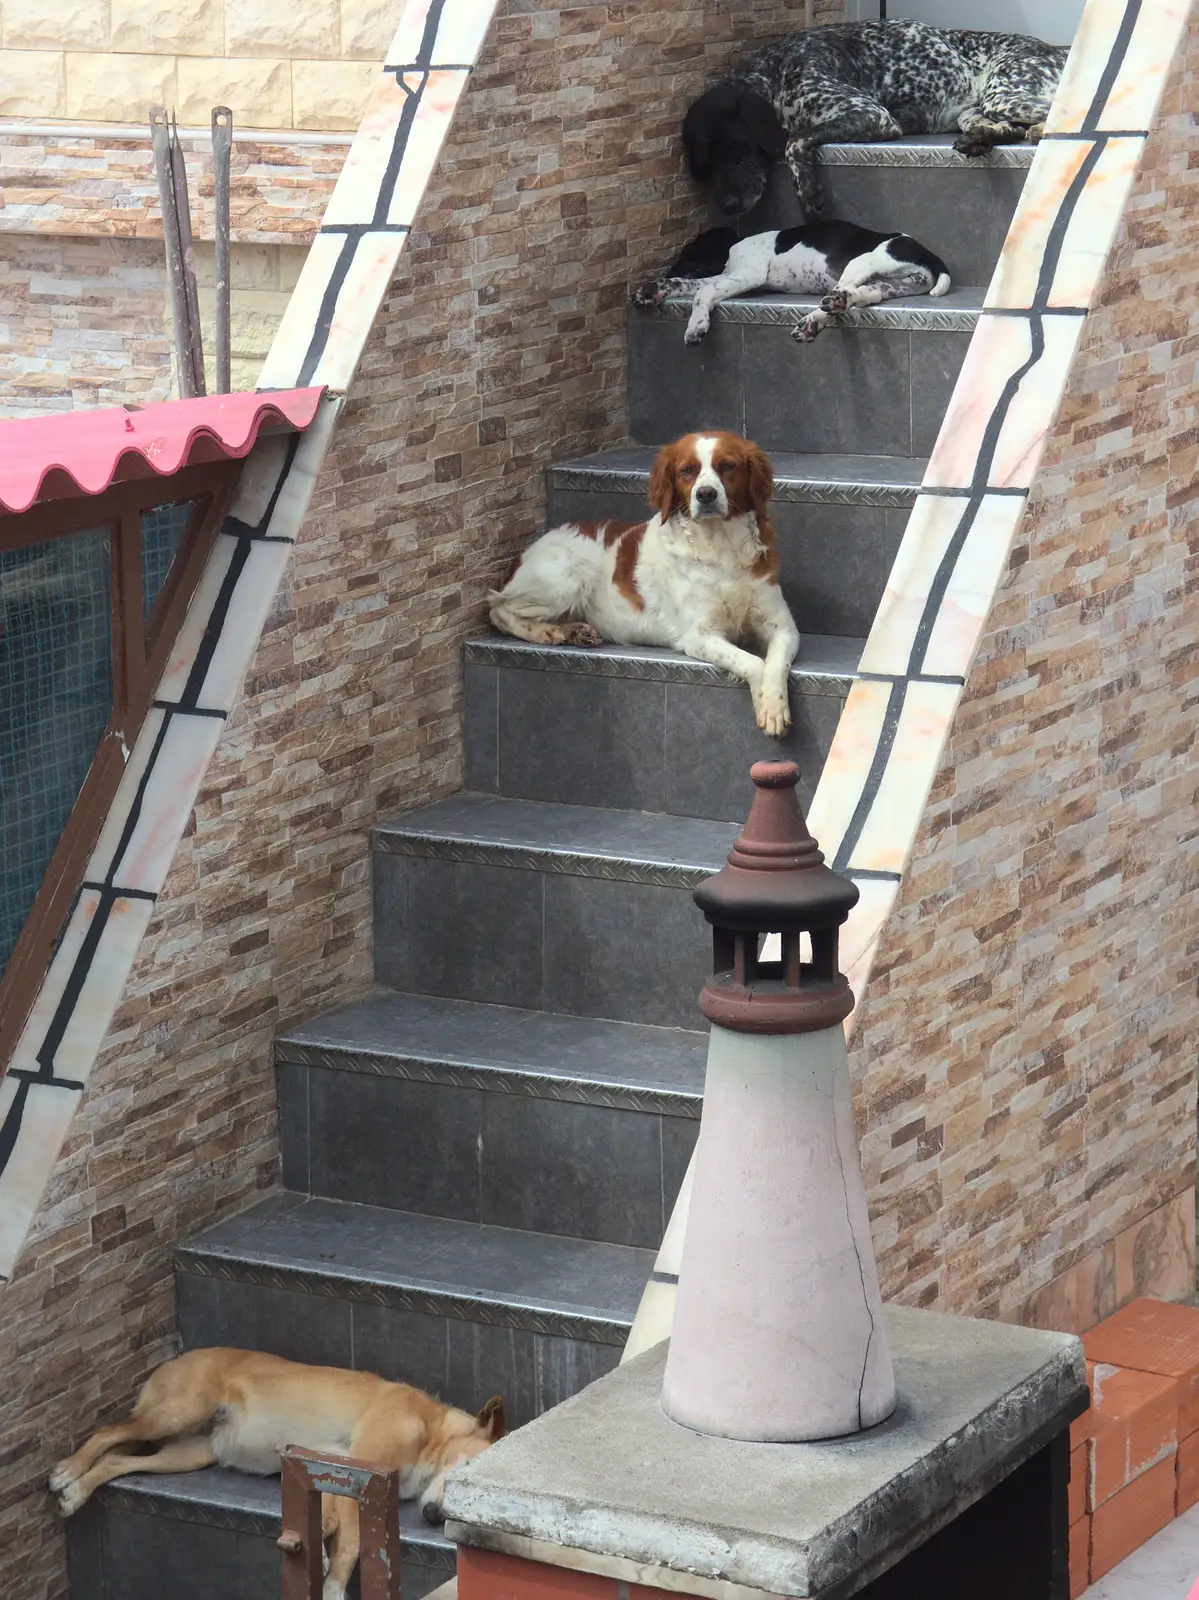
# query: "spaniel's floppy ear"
{"type": "Point", "coordinates": [761, 478]}
{"type": "Point", "coordinates": [762, 120]}
{"type": "Point", "coordinates": [661, 482]}
{"type": "Point", "coordinates": [493, 1419]}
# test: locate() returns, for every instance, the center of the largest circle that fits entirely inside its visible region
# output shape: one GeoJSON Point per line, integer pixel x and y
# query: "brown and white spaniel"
{"type": "Point", "coordinates": [699, 577]}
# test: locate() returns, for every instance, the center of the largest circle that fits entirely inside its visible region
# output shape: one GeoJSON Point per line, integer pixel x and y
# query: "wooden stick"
{"type": "Point", "coordinates": [160, 139]}
{"type": "Point", "coordinates": [187, 250]}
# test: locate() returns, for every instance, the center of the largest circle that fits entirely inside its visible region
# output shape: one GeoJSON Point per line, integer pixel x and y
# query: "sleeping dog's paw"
{"type": "Point", "coordinates": [649, 294]}
{"type": "Point", "coordinates": [836, 304]}
{"type": "Point", "coordinates": [581, 633]}
{"type": "Point", "coordinates": [805, 331]}
{"type": "Point", "coordinates": [697, 330]}
{"type": "Point", "coordinates": [70, 1499]}
{"type": "Point", "coordinates": [61, 1478]}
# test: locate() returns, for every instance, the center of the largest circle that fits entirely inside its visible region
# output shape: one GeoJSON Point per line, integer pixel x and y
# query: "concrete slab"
{"type": "Point", "coordinates": [606, 1477]}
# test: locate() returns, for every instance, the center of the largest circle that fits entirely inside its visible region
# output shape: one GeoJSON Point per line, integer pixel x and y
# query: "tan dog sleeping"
{"type": "Point", "coordinates": [237, 1408]}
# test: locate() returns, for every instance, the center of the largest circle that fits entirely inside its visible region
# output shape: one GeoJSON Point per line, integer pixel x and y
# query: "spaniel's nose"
{"type": "Point", "coordinates": [706, 496]}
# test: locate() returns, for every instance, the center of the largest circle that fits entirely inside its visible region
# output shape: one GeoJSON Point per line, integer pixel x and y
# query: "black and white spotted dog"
{"type": "Point", "coordinates": [854, 82]}
{"type": "Point", "coordinates": [848, 265]}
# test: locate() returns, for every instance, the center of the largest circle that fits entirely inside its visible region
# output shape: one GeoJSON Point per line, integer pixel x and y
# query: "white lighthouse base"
{"type": "Point", "coordinates": [778, 1327]}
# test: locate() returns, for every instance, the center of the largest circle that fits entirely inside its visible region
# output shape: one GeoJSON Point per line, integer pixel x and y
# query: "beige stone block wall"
{"type": "Point", "coordinates": [500, 346]}
{"type": "Point", "coordinates": [275, 63]}
{"type": "Point", "coordinates": [88, 320]}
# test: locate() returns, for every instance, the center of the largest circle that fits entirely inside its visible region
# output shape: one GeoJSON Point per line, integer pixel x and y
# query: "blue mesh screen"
{"type": "Point", "coordinates": [162, 531]}
{"type": "Point", "coordinates": [55, 702]}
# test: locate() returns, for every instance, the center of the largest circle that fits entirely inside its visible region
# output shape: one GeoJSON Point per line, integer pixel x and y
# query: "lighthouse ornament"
{"type": "Point", "coordinates": [778, 1327]}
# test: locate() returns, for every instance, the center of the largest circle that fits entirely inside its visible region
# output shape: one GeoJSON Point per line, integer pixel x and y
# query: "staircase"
{"type": "Point", "coordinates": [479, 1162]}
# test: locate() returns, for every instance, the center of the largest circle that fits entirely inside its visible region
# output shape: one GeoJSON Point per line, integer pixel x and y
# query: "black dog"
{"type": "Point", "coordinates": [855, 82]}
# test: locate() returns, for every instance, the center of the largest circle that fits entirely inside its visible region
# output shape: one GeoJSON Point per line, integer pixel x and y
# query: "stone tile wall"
{"type": "Point", "coordinates": [500, 346]}
{"type": "Point", "coordinates": [69, 181]}
{"type": "Point", "coordinates": [84, 307]}
{"type": "Point", "coordinates": [86, 321]}
{"type": "Point", "coordinates": [1025, 1062]}
{"type": "Point", "coordinates": [275, 64]}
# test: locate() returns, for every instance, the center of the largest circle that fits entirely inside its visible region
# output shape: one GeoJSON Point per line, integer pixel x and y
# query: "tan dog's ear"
{"type": "Point", "coordinates": [761, 479]}
{"type": "Point", "coordinates": [492, 1419]}
{"type": "Point", "coordinates": [661, 482]}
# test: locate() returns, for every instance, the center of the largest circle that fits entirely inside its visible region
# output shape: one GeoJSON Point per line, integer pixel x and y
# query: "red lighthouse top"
{"type": "Point", "coordinates": [776, 881]}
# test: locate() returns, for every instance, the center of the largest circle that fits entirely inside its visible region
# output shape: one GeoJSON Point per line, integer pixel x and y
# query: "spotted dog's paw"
{"type": "Point", "coordinates": [649, 294]}
{"type": "Point", "coordinates": [804, 332]}
{"type": "Point", "coordinates": [696, 332]}
{"type": "Point", "coordinates": [836, 303]}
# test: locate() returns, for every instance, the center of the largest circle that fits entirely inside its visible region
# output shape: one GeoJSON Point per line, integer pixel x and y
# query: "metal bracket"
{"type": "Point", "coordinates": [222, 140]}
{"type": "Point", "coordinates": [306, 1477]}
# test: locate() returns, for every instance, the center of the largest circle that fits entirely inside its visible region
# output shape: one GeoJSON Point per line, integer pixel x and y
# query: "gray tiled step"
{"type": "Point", "coordinates": [490, 1114]}
{"type": "Point", "coordinates": [638, 727]}
{"type": "Point", "coordinates": [807, 479]}
{"type": "Point", "coordinates": [508, 1051]}
{"type": "Point", "coordinates": [958, 207]}
{"type": "Point", "coordinates": [549, 907]}
{"type": "Point", "coordinates": [575, 840]}
{"type": "Point", "coordinates": [460, 1309]}
{"type": "Point", "coordinates": [210, 1536]}
{"type": "Point", "coordinates": [926, 151]}
{"type": "Point", "coordinates": [955, 312]}
{"type": "Point", "coordinates": [839, 520]}
{"type": "Point", "coordinates": [880, 386]}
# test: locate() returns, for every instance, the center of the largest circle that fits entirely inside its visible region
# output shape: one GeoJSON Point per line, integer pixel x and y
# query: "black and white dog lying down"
{"type": "Point", "coordinates": [855, 82]}
{"type": "Point", "coordinates": [848, 265]}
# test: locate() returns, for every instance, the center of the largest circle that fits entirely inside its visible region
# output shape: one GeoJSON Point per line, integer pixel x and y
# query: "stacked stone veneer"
{"type": "Point", "coordinates": [88, 319]}
{"type": "Point", "coordinates": [501, 345]}
{"type": "Point", "coordinates": [83, 294]}
{"type": "Point", "coordinates": [1025, 1062]}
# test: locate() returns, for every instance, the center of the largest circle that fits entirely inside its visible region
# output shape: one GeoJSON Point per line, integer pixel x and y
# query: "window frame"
{"type": "Point", "coordinates": [141, 647]}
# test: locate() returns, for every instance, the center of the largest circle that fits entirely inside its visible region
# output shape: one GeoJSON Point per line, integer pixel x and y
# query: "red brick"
{"type": "Point", "coordinates": [1083, 1427]}
{"type": "Point", "coordinates": [1078, 1483]}
{"type": "Point", "coordinates": [1131, 1518]}
{"type": "Point", "coordinates": [483, 1575]}
{"type": "Point", "coordinates": [1080, 1556]}
{"type": "Point", "coordinates": [1135, 1427]}
{"type": "Point", "coordinates": [1188, 1475]}
{"type": "Point", "coordinates": [1154, 1336]}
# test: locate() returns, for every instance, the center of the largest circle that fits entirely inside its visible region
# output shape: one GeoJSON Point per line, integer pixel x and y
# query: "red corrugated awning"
{"type": "Point", "coordinates": [82, 452]}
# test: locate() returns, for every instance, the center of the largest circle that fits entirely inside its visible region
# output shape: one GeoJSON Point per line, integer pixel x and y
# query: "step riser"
{"type": "Point", "coordinates": [545, 941]}
{"type": "Point", "coordinates": [960, 213]}
{"type": "Point", "coordinates": [463, 1362]}
{"type": "Point", "coordinates": [116, 1554]}
{"type": "Point", "coordinates": [835, 558]}
{"type": "Point", "coordinates": [631, 743]}
{"type": "Point", "coordinates": [549, 1166]}
{"type": "Point", "coordinates": [887, 388]}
